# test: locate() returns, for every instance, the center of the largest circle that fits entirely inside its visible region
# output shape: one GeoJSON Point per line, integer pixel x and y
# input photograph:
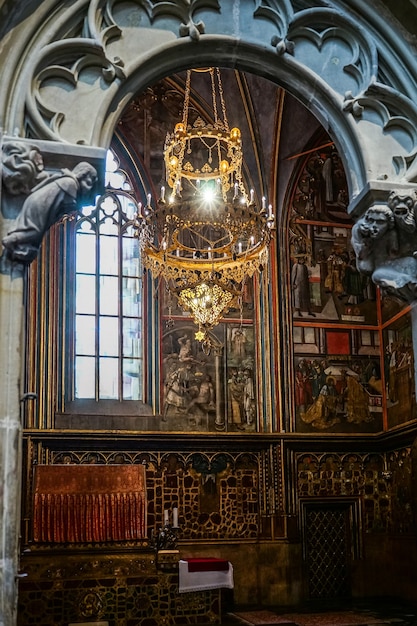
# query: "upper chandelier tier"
{"type": "Point", "coordinates": [207, 235]}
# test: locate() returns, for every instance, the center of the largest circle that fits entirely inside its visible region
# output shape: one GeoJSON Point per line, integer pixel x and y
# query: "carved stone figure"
{"type": "Point", "coordinates": [404, 207]}
{"type": "Point", "coordinates": [374, 238]}
{"type": "Point", "coordinates": [382, 253]}
{"type": "Point", "coordinates": [22, 167]}
{"type": "Point", "coordinates": [52, 198]}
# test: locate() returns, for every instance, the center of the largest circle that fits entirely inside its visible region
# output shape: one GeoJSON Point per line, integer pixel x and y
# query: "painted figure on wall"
{"type": "Point", "coordinates": [303, 386]}
{"type": "Point", "coordinates": [188, 393]}
{"type": "Point", "coordinates": [240, 367]}
{"type": "Point", "coordinates": [249, 397]}
{"type": "Point", "coordinates": [300, 286]}
{"type": "Point", "coordinates": [357, 402]}
{"type": "Point", "coordinates": [322, 413]}
{"type": "Point", "coordinates": [399, 373]}
{"type": "Point", "coordinates": [335, 272]}
{"type": "Point", "coordinates": [236, 386]}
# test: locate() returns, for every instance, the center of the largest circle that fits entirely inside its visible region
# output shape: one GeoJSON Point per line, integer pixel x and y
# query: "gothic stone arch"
{"type": "Point", "coordinates": [68, 70]}
{"type": "Point", "coordinates": [93, 56]}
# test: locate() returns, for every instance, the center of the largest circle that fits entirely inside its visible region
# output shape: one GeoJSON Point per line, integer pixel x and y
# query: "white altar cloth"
{"type": "Point", "coordinates": [201, 581]}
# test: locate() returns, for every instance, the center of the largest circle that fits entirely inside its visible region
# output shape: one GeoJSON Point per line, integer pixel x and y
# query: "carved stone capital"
{"type": "Point", "coordinates": [384, 237]}
{"type": "Point", "coordinates": [42, 181]}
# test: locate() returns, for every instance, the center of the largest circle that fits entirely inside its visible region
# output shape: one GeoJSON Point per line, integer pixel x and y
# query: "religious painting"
{"type": "Point", "coordinates": [399, 372]}
{"type": "Point", "coordinates": [208, 390]}
{"type": "Point", "coordinates": [336, 342]}
{"type": "Point", "coordinates": [241, 389]}
{"type": "Point", "coordinates": [338, 392]}
{"type": "Point", "coordinates": [325, 282]}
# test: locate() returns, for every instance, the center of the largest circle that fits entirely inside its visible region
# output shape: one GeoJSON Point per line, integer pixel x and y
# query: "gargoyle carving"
{"type": "Point", "coordinates": [52, 197]}
{"type": "Point", "coordinates": [385, 243]}
{"type": "Point", "coordinates": [22, 167]}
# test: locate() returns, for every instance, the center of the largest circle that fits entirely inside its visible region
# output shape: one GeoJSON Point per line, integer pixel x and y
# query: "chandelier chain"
{"type": "Point", "coordinates": [209, 237]}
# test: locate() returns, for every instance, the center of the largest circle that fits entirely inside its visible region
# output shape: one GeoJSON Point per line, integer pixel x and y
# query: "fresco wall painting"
{"type": "Point", "coordinates": [214, 390]}
{"type": "Point", "coordinates": [341, 370]}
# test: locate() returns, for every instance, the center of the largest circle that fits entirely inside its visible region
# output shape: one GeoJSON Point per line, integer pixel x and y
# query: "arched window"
{"type": "Point", "coordinates": [108, 295]}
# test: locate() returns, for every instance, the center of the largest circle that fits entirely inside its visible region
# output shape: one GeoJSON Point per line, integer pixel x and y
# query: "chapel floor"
{"type": "Point", "coordinates": [376, 612]}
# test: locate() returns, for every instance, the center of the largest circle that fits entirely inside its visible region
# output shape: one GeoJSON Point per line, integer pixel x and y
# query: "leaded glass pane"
{"type": "Point", "coordinates": [107, 290]}
{"type": "Point", "coordinates": [85, 296]}
{"type": "Point", "coordinates": [109, 255]}
{"type": "Point", "coordinates": [109, 378]}
{"type": "Point", "coordinates": [132, 340]}
{"type": "Point", "coordinates": [131, 297]}
{"type": "Point", "coordinates": [86, 253]}
{"type": "Point", "coordinates": [129, 208]}
{"type": "Point", "coordinates": [109, 336]}
{"type": "Point", "coordinates": [109, 295]}
{"type": "Point", "coordinates": [132, 379]}
{"type": "Point", "coordinates": [85, 335]}
{"type": "Point", "coordinates": [131, 261]}
{"type": "Point", "coordinates": [85, 377]}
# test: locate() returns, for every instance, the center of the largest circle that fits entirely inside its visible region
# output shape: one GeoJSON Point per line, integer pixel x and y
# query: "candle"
{"type": "Point", "coordinates": [166, 517]}
{"type": "Point", "coordinates": [252, 196]}
{"type": "Point", "coordinates": [270, 210]}
{"type": "Point", "coordinates": [175, 517]}
{"type": "Point", "coordinates": [163, 194]}
{"type": "Point", "coordinates": [236, 189]}
{"type": "Point", "coordinates": [149, 199]}
{"type": "Point", "coordinates": [264, 202]}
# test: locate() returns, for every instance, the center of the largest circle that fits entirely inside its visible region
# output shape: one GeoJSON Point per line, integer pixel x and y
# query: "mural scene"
{"type": "Point", "coordinates": [208, 391]}
{"type": "Point", "coordinates": [399, 372]}
{"type": "Point", "coordinates": [338, 395]}
{"type": "Point", "coordinates": [340, 381]}
{"type": "Point", "coordinates": [325, 281]}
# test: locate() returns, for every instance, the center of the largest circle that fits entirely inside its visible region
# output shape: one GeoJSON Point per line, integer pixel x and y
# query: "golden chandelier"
{"type": "Point", "coordinates": [207, 236]}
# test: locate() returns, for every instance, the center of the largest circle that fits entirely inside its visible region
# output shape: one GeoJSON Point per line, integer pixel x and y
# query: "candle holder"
{"type": "Point", "coordinates": [165, 539]}
{"type": "Point", "coordinates": [165, 545]}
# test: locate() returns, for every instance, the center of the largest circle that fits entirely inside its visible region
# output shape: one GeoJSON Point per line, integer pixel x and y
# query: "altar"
{"type": "Point", "coordinates": [127, 589]}
{"type": "Point", "coordinates": [203, 574]}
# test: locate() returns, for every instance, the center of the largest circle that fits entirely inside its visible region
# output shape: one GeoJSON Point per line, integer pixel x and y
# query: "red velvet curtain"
{"type": "Point", "coordinates": [89, 503]}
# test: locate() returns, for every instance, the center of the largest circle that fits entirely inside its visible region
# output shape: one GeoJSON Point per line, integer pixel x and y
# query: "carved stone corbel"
{"type": "Point", "coordinates": [384, 239]}
{"type": "Point", "coordinates": [36, 196]}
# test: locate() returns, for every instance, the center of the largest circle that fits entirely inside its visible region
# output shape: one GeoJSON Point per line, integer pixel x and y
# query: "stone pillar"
{"type": "Point", "coordinates": [11, 346]}
{"type": "Point", "coordinates": [40, 182]}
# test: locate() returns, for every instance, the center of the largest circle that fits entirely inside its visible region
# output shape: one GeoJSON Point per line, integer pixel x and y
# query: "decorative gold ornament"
{"type": "Point", "coordinates": [208, 236]}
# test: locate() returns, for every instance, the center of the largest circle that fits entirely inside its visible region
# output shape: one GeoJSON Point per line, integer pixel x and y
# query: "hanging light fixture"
{"type": "Point", "coordinates": [207, 236]}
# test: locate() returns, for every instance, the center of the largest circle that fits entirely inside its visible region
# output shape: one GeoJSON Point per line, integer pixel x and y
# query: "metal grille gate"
{"type": "Point", "coordinates": [327, 550]}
